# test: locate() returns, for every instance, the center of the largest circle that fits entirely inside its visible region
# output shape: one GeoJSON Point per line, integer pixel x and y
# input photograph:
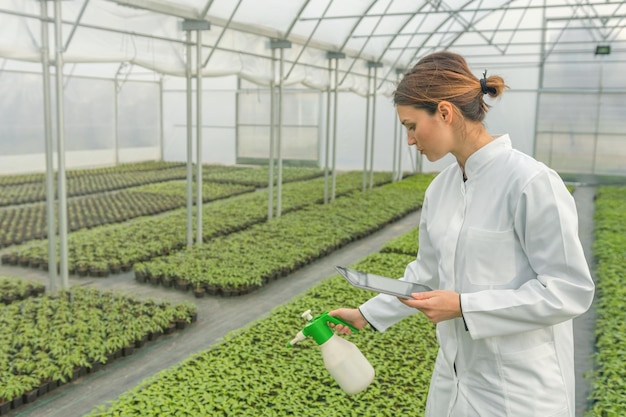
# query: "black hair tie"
{"type": "Point", "coordinates": [483, 83]}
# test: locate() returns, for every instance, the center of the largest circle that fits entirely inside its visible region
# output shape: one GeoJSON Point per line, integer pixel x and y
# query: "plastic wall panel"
{"type": "Point", "coordinates": [139, 115]}
{"type": "Point", "coordinates": [561, 112]}
{"type": "Point", "coordinates": [89, 119]}
{"type": "Point", "coordinates": [566, 152]}
{"type": "Point", "coordinates": [581, 125]}
{"type": "Point", "coordinates": [610, 155]}
{"type": "Point", "coordinates": [218, 120]}
{"type": "Point", "coordinates": [301, 125]}
{"type": "Point", "coordinates": [89, 110]}
{"type": "Point", "coordinates": [21, 114]}
{"type": "Point", "coordinates": [612, 113]}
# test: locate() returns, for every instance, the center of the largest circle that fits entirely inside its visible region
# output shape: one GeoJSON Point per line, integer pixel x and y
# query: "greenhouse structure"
{"type": "Point", "coordinates": [180, 178]}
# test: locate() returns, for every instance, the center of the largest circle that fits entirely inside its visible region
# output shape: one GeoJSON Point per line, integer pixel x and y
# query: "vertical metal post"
{"type": "Point", "coordinates": [189, 144]}
{"type": "Point", "coordinates": [279, 180]}
{"type": "Point", "coordinates": [161, 134]}
{"type": "Point", "coordinates": [367, 125]}
{"type": "Point", "coordinates": [335, 109]}
{"type": "Point", "coordinates": [399, 154]}
{"type": "Point", "coordinates": [189, 25]}
{"type": "Point", "coordinates": [333, 88]}
{"type": "Point", "coordinates": [61, 145]}
{"type": "Point", "coordinates": [116, 122]}
{"type": "Point", "coordinates": [541, 75]}
{"type": "Point", "coordinates": [394, 174]}
{"type": "Point", "coordinates": [373, 132]}
{"type": "Point", "coordinates": [597, 124]}
{"type": "Point", "coordinates": [50, 216]}
{"type": "Point", "coordinates": [278, 44]}
{"type": "Point", "coordinates": [199, 137]}
{"type": "Point", "coordinates": [270, 203]}
{"type": "Point", "coordinates": [398, 134]}
{"type": "Point", "coordinates": [326, 146]}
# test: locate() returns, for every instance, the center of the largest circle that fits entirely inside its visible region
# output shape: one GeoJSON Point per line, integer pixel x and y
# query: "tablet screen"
{"type": "Point", "coordinates": [381, 284]}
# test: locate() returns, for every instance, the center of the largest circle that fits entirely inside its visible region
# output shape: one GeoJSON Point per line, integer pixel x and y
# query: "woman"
{"type": "Point", "coordinates": [499, 246]}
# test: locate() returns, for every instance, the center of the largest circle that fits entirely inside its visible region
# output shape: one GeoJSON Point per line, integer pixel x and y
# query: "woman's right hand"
{"type": "Point", "coordinates": [352, 316]}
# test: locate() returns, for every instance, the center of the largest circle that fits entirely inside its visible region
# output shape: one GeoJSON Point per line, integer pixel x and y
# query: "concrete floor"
{"type": "Point", "coordinates": [219, 316]}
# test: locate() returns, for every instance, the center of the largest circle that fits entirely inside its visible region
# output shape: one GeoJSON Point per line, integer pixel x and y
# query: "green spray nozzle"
{"type": "Point", "coordinates": [318, 328]}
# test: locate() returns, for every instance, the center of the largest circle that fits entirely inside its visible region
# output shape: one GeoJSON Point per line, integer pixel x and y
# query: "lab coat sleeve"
{"type": "Point", "coordinates": [546, 224]}
{"type": "Point", "coordinates": [385, 310]}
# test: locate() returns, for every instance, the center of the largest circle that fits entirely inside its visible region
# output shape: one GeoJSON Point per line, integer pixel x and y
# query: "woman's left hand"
{"type": "Point", "coordinates": [437, 305]}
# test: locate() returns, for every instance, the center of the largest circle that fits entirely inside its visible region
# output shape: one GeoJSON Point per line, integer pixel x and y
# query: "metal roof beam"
{"type": "Point", "coordinates": [160, 6]}
{"type": "Point", "coordinates": [395, 62]}
{"type": "Point", "coordinates": [603, 17]}
{"type": "Point", "coordinates": [461, 31]}
{"type": "Point", "coordinates": [295, 19]}
{"type": "Point", "coordinates": [364, 43]}
{"type": "Point", "coordinates": [221, 35]}
{"type": "Point", "coordinates": [360, 19]}
{"type": "Point", "coordinates": [75, 26]}
{"type": "Point", "coordinates": [482, 9]}
{"type": "Point", "coordinates": [430, 35]}
{"type": "Point", "coordinates": [330, 2]}
{"type": "Point", "coordinates": [206, 8]}
{"type": "Point", "coordinates": [474, 45]}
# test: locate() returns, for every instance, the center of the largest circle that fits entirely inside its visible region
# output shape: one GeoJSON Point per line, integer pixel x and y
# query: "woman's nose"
{"type": "Point", "coordinates": [411, 140]}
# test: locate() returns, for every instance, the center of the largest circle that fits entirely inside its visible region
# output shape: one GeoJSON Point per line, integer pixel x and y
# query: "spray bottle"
{"type": "Point", "coordinates": [342, 359]}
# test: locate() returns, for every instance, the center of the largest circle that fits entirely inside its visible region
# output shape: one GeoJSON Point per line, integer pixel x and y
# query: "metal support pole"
{"type": "Point", "coordinates": [398, 156]}
{"type": "Point", "coordinates": [333, 88]}
{"type": "Point", "coordinates": [279, 181]}
{"type": "Point", "coordinates": [394, 174]}
{"type": "Point", "coordinates": [398, 134]}
{"type": "Point", "coordinates": [50, 217]}
{"type": "Point", "coordinates": [367, 125]}
{"type": "Point", "coordinates": [278, 44]}
{"type": "Point", "coordinates": [116, 138]}
{"type": "Point", "coordinates": [189, 145]}
{"type": "Point", "coordinates": [597, 124]}
{"type": "Point", "coordinates": [541, 75]}
{"type": "Point", "coordinates": [61, 146]}
{"type": "Point", "coordinates": [373, 131]}
{"type": "Point", "coordinates": [199, 137]}
{"type": "Point", "coordinates": [189, 25]}
{"type": "Point", "coordinates": [327, 144]}
{"type": "Point", "coordinates": [270, 186]}
{"type": "Point", "coordinates": [161, 134]}
{"type": "Point", "coordinates": [335, 108]}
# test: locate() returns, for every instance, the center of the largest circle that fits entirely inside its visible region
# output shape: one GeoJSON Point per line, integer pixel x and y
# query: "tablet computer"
{"type": "Point", "coordinates": [377, 283]}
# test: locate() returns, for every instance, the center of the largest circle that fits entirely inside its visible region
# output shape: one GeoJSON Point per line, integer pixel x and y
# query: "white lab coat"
{"type": "Point", "coordinates": [507, 241]}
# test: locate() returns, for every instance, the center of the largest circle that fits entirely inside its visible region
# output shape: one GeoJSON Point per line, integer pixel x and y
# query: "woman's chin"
{"type": "Point", "coordinates": [430, 157]}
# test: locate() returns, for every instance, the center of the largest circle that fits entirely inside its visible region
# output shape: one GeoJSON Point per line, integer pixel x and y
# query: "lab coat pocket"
{"type": "Point", "coordinates": [533, 382]}
{"type": "Point", "coordinates": [490, 256]}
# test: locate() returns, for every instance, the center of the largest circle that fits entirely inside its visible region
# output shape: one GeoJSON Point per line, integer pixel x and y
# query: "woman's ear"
{"type": "Point", "coordinates": [445, 111]}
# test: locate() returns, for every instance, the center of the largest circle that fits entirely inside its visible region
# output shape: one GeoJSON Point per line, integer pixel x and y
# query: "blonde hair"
{"type": "Point", "coordinates": [445, 76]}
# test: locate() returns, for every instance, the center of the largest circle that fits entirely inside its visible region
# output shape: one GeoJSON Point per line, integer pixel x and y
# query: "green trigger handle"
{"type": "Point", "coordinates": [318, 328]}
{"type": "Point", "coordinates": [337, 320]}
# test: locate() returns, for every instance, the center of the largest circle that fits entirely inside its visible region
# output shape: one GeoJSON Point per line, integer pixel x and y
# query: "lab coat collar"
{"type": "Point", "coordinates": [485, 154]}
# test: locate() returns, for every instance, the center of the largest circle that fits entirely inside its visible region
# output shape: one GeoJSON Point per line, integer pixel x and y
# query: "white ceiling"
{"type": "Point", "coordinates": [394, 33]}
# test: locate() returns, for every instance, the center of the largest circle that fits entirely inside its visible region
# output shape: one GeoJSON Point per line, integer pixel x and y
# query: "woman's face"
{"type": "Point", "coordinates": [430, 133]}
